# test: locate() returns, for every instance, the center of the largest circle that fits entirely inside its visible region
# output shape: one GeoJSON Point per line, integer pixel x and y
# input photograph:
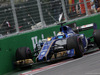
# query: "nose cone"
{"type": "Point", "coordinates": [41, 58]}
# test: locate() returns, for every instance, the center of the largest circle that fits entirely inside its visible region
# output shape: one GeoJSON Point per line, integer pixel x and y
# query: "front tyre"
{"type": "Point", "coordinates": [24, 58]}
{"type": "Point", "coordinates": [23, 53]}
{"type": "Point", "coordinates": [75, 42]}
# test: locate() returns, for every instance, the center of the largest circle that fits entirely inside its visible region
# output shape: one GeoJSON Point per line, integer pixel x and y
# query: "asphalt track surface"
{"type": "Point", "coordinates": [87, 65]}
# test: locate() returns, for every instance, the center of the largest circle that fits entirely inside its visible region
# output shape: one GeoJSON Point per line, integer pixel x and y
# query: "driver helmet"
{"type": "Point", "coordinates": [60, 35]}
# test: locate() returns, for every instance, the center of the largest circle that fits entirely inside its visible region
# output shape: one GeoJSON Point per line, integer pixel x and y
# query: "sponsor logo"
{"type": "Point", "coordinates": [86, 26]}
{"type": "Point", "coordinates": [36, 41]}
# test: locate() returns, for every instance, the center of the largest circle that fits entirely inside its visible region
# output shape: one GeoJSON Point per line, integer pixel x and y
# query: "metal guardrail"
{"type": "Point", "coordinates": [17, 16]}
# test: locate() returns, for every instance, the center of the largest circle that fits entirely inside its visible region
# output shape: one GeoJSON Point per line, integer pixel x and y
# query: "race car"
{"type": "Point", "coordinates": [67, 43]}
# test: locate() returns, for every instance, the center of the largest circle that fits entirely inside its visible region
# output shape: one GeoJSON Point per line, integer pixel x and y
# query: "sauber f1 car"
{"type": "Point", "coordinates": [67, 43]}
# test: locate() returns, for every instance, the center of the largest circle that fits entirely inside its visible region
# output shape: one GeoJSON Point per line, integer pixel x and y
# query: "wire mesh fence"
{"type": "Point", "coordinates": [33, 14]}
{"type": "Point", "coordinates": [6, 20]}
{"type": "Point", "coordinates": [27, 15]}
{"type": "Point", "coordinates": [51, 10]}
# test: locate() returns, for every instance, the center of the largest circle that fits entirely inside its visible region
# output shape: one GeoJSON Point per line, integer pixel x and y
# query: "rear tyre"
{"type": "Point", "coordinates": [97, 37]}
{"type": "Point", "coordinates": [75, 43]}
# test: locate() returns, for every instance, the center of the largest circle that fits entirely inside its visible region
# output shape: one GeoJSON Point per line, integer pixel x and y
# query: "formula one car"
{"type": "Point", "coordinates": [67, 43]}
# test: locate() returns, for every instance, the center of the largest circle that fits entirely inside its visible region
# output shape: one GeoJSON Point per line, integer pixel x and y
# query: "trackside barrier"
{"type": "Point", "coordinates": [8, 45]}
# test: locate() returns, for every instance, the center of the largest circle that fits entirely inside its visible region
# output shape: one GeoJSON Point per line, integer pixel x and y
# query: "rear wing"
{"type": "Point", "coordinates": [83, 27]}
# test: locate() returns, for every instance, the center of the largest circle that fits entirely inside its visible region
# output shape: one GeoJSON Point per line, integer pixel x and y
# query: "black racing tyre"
{"type": "Point", "coordinates": [75, 42]}
{"type": "Point", "coordinates": [97, 37]}
{"type": "Point", "coordinates": [23, 53]}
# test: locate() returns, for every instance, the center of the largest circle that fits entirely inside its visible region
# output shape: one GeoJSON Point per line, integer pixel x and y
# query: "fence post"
{"type": "Point", "coordinates": [40, 12]}
{"type": "Point", "coordinates": [14, 15]}
{"type": "Point", "coordinates": [64, 9]}
{"type": "Point", "coordinates": [86, 9]}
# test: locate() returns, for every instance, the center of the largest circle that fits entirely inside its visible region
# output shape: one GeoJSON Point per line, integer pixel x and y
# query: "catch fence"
{"type": "Point", "coordinates": [18, 16]}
